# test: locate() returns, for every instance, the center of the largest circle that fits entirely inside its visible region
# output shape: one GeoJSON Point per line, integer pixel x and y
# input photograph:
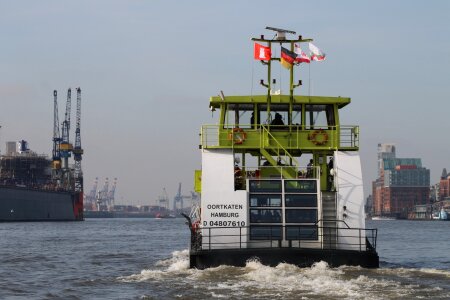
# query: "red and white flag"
{"type": "Point", "coordinates": [301, 56]}
{"type": "Point", "coordinates": [262, 52]}
{"type": "Point", "coordinates": [316, 54]}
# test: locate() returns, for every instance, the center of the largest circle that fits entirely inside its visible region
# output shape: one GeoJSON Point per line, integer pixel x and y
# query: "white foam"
{"type": "Point", "coordinates": [290, 281]}
{"type": "Point", "coordinates": [178, 263]}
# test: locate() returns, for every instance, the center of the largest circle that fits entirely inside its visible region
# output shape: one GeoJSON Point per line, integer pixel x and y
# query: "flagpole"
{"type": "Point", "coordinates": [309, 79]}
{"type": "Point", "coordinates": [291, 89]}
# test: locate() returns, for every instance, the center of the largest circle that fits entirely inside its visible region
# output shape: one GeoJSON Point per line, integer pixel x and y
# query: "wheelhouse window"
{"type": "Point", "coordinates": [282, 110]}
{"type": "Point", "coordinates": [320, 117]}
{"type": "Point", "coordinates": [296, 115]}
{"type": "Point", "coordinates": [239, 116]}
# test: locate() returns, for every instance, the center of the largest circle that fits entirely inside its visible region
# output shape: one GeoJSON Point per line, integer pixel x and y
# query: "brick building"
{"type": "Point", "coordinates": [402, 184]}
{"type": "Point", "coordinates": [444, 185]}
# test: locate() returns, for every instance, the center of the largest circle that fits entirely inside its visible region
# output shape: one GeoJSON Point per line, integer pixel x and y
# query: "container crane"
{"type": "Point", "coordinates": [102, 196]}
{"type": "Point", "coordinates": [89, 199]}
{"type": "Point", "coordinates": [179, 198]}
{"type": "Point", "coordinates": [163, 200]}
{"type": "Point", "coordinates": [111, 193]}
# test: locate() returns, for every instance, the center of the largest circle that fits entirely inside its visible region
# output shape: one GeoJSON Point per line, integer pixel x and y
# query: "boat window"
{"type": "Point", "coordinates": [301, 215]}
{"type": "Point", "coordinates": [301, 200]}
{"type": "Point", "coordinates": [266, 233]}
{"type": "Point", "coordinates": [297, 115]}
{"type": "Point", "coordinates": [304, 232]}
{"type": "Point", "coordinates": [238, 115]}
{"type": "Point", "coordinates": [265, 216]}
{"type": "Point", "coordinates": [300, 186]}
{"type": "Point", "coordinates": [265, 200]}
{"type": "Point", "coordinates": [319, 116]}
{"type": "Point", "coordinates": [281, 109]}
{"type": "Point", "coordinates": [265, 186]}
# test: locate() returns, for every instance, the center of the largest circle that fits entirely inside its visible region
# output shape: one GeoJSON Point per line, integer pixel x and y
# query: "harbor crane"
{"type": "Point", "coordinates": [163, 200]}
{"type": "Point", "coordinates": [111, 193]}
{"type": "Point", "coordinates": [77, 150]}
{"type": "Point", "coordinates": [102, 197]}
{"type": "Point", "coordinates": [179, 198]}
{"type": "Point", "coordinates": [89, 199]}
{"type": "Point", "coordinates": [65, 146]}
{"type": "Point", "coordinates": [56, 164]}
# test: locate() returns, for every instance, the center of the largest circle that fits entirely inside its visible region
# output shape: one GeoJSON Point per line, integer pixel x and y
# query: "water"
{"type": "Point", "coordinates": [148, 259]}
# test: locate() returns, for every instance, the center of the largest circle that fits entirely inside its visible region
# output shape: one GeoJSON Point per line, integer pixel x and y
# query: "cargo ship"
{"type": "Point", "coordinates": [281, 177]}
{"type": "Point", "coordinates": [34, 187]}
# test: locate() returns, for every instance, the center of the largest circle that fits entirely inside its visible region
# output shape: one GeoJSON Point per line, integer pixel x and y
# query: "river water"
{"type": "Point", "coordinates": [148, 259]}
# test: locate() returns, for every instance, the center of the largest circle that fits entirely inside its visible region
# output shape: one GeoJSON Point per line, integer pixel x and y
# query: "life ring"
{"type": "Point", "coordinates": [319, 137]}
{"type": "Point", "coordinates": [238, 136]}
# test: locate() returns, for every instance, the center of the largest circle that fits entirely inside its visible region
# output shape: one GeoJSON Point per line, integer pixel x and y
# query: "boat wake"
{"type": "Point", "coordinates": [258, 281]}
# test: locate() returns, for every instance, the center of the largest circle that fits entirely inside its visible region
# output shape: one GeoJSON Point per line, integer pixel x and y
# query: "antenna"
{"type": "Point", "coordinates": [281, 33]}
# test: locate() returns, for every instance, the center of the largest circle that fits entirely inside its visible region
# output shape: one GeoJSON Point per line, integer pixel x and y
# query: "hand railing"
{"type": "Point", "coordinates": [264, 144]}
{"type": "Point", "coordinates": [218, 135]}
{"type": "Point", "coordinates": [360, 239]}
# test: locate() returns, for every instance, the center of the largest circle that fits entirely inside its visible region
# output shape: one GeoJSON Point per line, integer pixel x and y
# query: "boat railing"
{"type": "Point", "coordinates": [221, 135]}
{"type": "Point", "coordinates": [323, 237]}
{"type": "Point", "coordinates": [301, 172]}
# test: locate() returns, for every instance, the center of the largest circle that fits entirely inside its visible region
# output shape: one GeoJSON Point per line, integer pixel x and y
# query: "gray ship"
{"type": "Point", "coordinates": [28, 192]}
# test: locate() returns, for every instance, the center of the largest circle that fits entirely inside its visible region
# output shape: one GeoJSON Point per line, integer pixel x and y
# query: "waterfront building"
{"type": "Point", "coordinates": [444, 185]}
{"type": "Point", "coordinates": [402, 184]}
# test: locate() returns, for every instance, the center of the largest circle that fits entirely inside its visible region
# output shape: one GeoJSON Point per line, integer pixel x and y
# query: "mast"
{"type": "Point", "coordinates": [280, 38]}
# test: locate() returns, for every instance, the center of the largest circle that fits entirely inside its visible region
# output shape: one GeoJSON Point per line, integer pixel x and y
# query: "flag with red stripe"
{"type": "Point", "coordinates": [287, 58]}
{"type": "Point", "coordinates": [302, 57]}
{"type": "Point", "coordinates": [316, 54]}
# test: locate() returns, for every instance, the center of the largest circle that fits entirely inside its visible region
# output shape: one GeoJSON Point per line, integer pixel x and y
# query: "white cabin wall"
{"type": "Point", "coordinates": [350, 193]}
{"type": "Point", "coordinates": [218, 189]}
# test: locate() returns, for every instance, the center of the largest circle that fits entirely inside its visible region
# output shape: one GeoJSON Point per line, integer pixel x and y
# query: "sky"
{"type": "Point", "coordinates": [147, 69]}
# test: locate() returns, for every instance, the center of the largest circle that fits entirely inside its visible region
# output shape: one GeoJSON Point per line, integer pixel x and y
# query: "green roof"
{"type": "Point", "coordinates": [261, 99]}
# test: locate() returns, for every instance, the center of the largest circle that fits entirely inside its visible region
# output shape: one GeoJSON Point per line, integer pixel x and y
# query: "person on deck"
{"type": "Point", "coordinates": [330, 174]}
{"type": "Point", "coordinates": [309, 169]}
{"type": "Point", "coordinates": [278, 120]}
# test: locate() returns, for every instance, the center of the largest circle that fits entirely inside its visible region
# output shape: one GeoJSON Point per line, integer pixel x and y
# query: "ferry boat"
{"type": "Point", "coordinates": [288, 191]}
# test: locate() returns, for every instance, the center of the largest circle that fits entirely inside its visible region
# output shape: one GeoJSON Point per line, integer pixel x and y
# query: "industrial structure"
{"type": "Point", "coordinates": [402, 185]}
{"type": "Point", "coordinates": [35, 188]}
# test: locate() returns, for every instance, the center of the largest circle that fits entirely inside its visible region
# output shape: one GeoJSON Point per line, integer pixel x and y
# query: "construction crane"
{"type": "Point", "coordinates": [77, 150]}
{"type": "Point", "coordinates": [56, 164]}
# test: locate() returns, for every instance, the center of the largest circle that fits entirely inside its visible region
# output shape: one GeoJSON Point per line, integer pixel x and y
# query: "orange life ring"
{"type": "Point", "coordinates": [314, 137]}
{"type": "Point", "coordinates": [238, 136]}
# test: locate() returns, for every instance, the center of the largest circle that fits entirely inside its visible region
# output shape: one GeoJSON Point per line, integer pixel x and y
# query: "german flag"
{"type": "Point", "coordinates": [287, 58]}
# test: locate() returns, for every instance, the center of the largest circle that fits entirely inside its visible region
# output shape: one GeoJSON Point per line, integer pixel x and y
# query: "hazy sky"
{"type": "Point", "coordinates": [148, 68]}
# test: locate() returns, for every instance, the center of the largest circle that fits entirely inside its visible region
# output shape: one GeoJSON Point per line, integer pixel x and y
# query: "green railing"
{"type": "Point", "coordinates": [280, 151]}
{"type": "Point", "coordinates": [345, 137]}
